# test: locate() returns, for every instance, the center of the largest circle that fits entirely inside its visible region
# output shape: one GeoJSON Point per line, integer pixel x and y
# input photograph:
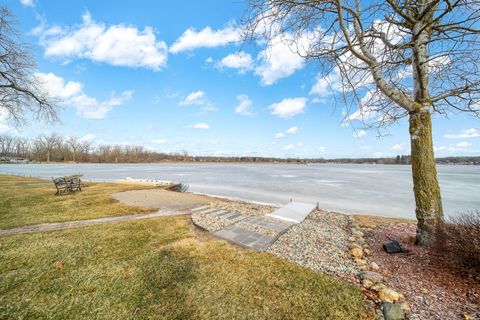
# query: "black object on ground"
{"type": "Point", "coordinates": [393, 247]}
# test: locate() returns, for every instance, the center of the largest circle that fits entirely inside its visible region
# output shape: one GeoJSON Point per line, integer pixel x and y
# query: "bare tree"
{"type": "Point", "coordinates": [74, 146]}
{"type": "Point", "coordinates": [392, 59]}
{"type": "Point", "coordinates": [84, 149]}
{"type": "Point", "coordinates": [20, 91]}
{"type": "Point", "coordinates": [47, 144]}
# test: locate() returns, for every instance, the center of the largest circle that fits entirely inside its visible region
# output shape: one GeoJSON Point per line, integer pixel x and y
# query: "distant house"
{"type": "Point", "coordinates": [14, 160]}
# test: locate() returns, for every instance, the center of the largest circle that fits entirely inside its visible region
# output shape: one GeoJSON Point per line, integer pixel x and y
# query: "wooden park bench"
{"type": "Point", "coordinates": [68, 184]}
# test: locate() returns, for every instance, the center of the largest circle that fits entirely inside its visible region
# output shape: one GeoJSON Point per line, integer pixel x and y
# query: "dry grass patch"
{"type": "Point", "coordinates": [367, 221]}
{"type": "Point", "coordinates": [26, 201]}
{"type": "Point", "coordinates": [155, 268]}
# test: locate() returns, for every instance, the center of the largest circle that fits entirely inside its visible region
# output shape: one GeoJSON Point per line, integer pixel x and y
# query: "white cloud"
{"type": "Point", "coordinates": [196, 97]}
{"type": "Point", "coordinates": [241, 61]}
{"type": "Point", "coordinates": [158, 141]}
{"type": "Point", "coordinates": [201, 125]}
{"type": "Point", "coordinates": [244, 105]}
{"type": "Point", "coordinates": [206, 38]}
{"type": "Point", "coordinates": [118, 45]}
{"type": "Point", "coordinates": [326, 85]}
{"type": "Point", "coordinates": [214, 141]}
{"type": "Point", "coordinates": [71, 93]}
{"type": "Point", "coordinates": [460, 147]}
{"type": "Point", "coordinates": [87, 138]}
{"type": "Point", "coordinates": [359, 134]}
{"type": "Point", "coordinates": [292, 130]}
{"type": "Point", "coordinates": [4, 127]}
{"type": "Point", "coordinates": [398, 147]}
{"type": "Point", "coordinates": [27, 3]}
{"type": "Point", "coordinates": [288, 107]}
{"type": "Point", "coordinates": [278, 61]}
{"type": "Point", "coordinates": [322, 149]}
{"type": "Point", "coordinates": [463, 144]}
{"type": "Point", "coordinates": [440, 148]}
{"type": "Point", "coordinates": [293, 146]}
{"type": "Point", "coordinates": [468, 133]}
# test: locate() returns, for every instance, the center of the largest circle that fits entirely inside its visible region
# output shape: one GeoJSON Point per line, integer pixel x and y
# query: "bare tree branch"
{"type": "Point", "coordinates": [21, 93]}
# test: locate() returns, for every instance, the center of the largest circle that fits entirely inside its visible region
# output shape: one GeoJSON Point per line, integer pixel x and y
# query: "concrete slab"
{"type": "Point", "coordinates": [278, 225]}
{"type": "Point", "coordinates": [244, 237]}
{"type": "Point", "coordinates": [207, 211]}
{"type": "Point", "coordinates": [200, 208]}
{"type": "Point", "coordinates": [293, 212]}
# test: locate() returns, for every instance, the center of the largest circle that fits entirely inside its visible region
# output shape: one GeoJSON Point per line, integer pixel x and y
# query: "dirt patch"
{"type": "Point", "coordinates": [433, 290]}
{"type": "Point", "coordinates": [161, 199]}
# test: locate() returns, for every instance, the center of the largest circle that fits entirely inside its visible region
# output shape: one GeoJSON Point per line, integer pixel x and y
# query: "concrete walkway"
{"type": "Point", "coordinates": [247, 231]}
{"type": "Point", "coordinates": [80, 223]}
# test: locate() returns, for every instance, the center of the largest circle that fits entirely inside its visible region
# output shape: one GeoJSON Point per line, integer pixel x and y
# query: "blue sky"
{"type": "Point", "coordinates": [171, 75]}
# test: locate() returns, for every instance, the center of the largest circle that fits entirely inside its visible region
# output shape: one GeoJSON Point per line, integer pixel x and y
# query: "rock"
{"type": "Point", "coordinates": [356, 252]}
{"type": "Point", "coordinates": [424, 290]}
{"type": "Point", "coordinates": [389, 295]}
{"type": "Point", "coordinates": [357, 233]}
{"type": "Point", "coordinates": [374, 266]}
{"type": "Point", "coordinates": [392, 311]}
{"type": "Point", "coordinates": [372, 276]}
{"type": "Point", "coordinates": [405, 306]}
{"type": "Point", "coordinates": [361, 262]}
{"type": "Point", "coordinates": [367, 283]}
{"type": "Point", "coordinates": [378, 287]}
{"type": "Point", "coordinates": [355, 245]}
{"type": "Point", "coordinates": [352, 239]}
{"type": "Point", "coordinates": [367, 251]}
{"type": "Point", "coordinates": [363, 268]}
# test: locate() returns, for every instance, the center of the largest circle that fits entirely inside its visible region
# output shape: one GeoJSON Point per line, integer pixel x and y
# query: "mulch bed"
{"type": "Point", "coordinates": [430, 284]}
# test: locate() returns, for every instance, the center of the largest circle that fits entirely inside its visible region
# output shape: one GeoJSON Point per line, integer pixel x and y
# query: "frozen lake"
{"type": "Point", "coordinates": [384, 190]}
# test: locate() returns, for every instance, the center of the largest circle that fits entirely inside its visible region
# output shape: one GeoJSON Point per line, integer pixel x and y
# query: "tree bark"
{"type": "Point", "coordinates": [425, 184]}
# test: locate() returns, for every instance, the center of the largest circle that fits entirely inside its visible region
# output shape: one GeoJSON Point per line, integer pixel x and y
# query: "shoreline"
{"type": "Point", "coordinates": [231, 162]}
{"type": "Point", "coordinates": [232, 199]}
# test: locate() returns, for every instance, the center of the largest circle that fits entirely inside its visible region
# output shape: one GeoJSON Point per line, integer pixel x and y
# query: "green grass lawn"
{"type": "Point", "coordinates": [25, 201]}
{"type": "Point", "coordinates": [159, 268]}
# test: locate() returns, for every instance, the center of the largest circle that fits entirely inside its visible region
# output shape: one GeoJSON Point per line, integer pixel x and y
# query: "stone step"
{"type": "Point", "coordinates": [207, 211]}
{"type": "Point", "coordinates": [219, 213]}
{"type": "Point", "coordinates": [271, 224]}
{"type": "Point", "coordinates": [244, 237]}
{"type": "Point", "coordinates": [200, 208]}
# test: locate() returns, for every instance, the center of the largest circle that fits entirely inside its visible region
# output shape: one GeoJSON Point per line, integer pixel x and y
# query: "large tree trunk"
{"type": "Point", "coordinates": [425, 184]}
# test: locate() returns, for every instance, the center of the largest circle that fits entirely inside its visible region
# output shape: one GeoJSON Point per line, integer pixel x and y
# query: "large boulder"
{"type": "Point", "coordinates": [392, 311]}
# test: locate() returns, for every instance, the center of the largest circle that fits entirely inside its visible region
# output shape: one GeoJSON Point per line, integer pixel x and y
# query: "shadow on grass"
{"type": "Point", "coordinates": [167, 278]}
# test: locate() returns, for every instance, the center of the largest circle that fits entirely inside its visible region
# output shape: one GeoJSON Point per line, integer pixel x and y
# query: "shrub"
{"type": "Point", "coordinates": [460, 240]}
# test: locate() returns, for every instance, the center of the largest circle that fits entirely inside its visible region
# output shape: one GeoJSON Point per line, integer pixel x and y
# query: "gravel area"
{"type": "Point", "coordinates": [256, 228]}
{"type": "Point", "coordinates": [209, 222]}
{"type": "Point", "coordinates": [431, 287]}
{"type": "Point", "coordinates": [320, 242]}
{"type": "Point", "coordinates": [245, 208]}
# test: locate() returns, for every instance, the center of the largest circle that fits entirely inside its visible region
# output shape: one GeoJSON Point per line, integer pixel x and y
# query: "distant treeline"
{"type": "Point", "coordinates": [54, 148]}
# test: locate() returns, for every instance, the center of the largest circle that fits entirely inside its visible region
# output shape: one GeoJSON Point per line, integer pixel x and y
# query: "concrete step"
{"type": "Point", "coordinates": [294, 212]}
